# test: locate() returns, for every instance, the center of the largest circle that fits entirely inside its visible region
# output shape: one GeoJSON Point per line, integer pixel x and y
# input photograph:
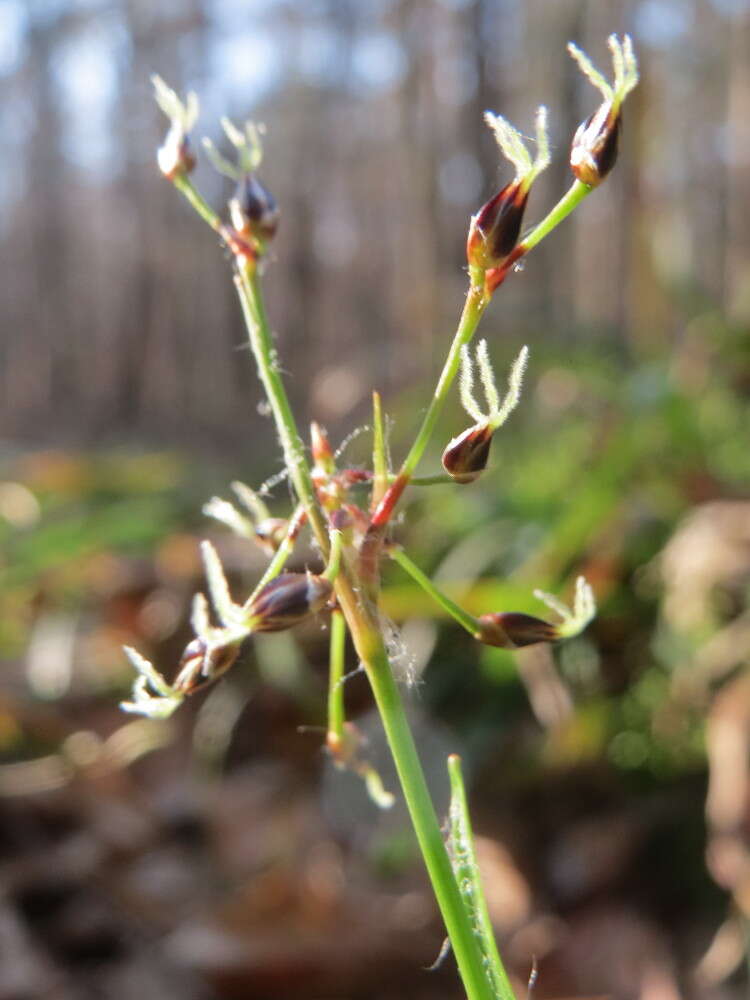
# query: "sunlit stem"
{"type": "Point", "coordinates": [371, 547]}
{"type": "Point", "coordinates": [335, 677]}
{"type": "Point", "coordinates": [570, 200]}
{"type": "Point", "coordinates": [261, 343]}
{"type": "Point", "coordinates": [469, 880]}
{"type": "Point", "coordinates": [472, 312]}
{"type": "Point", "coordinates": [469, 622]}
{"type": "Point", "coordinates": [186, 187]}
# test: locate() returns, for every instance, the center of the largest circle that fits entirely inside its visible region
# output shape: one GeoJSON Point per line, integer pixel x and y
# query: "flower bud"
{"type": "Point", "coordinates": [465, 457]}
{"type": "Point", "coordinates": [594, 149]}
{"type": "Point", "coordinates": [512, 629]}
{"type": "Point", "coordinates": [287, 600]}
{"type": "Point", "coordinates": [175, 155]}
{"type": "Point", "coordinates": [201, 663]}
{"type": "Point", "coordinates": [253, 209]}
{"type": "Point", "coordinates": [494, 230]}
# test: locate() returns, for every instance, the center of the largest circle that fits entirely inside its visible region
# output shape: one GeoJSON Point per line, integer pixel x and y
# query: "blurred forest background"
{"type": "Point", "coordinates": [218, 854]}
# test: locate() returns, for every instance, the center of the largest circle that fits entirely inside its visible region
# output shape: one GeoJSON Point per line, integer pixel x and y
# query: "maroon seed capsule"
{"type": "Point", "coordinates": [289, 599]}
{"type": "Point", "coordinates": [594, 149]}
{"type": "Point", "coordinates": [494, 230]}
{"type": "Point", "coordinates": [465, 457]}
{"type": "Point", "coordinates": [253, 209]}
{"type": "Point", "coordinates": [513, 629]}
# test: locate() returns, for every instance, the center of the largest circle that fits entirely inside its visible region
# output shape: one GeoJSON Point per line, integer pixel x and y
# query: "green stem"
{"type": "Point", "coordinates": [469, 880]}
{"type": "Point", "coordinates": [469, 622]}
{"type": "Point", "coordinates": [335, 676]}
{"type": "Point", "coordinates": [472, 313]}
{"type": "Point", "coordinates": [425, 822]}
{"type": "Point", "coordinates": [280, 556]}
{"type": "Point", "coordinates": [186, 187]}
{"type": "Point", "coordinates": [439, 479]}
{"type": "Point", "coordinates": [261, 343]}
{"type": "Point", "coordinates": [572, 198]}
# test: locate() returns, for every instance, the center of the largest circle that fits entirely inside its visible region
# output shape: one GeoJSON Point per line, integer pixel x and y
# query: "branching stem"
{"type": "Point", "coordinates": [467, 621]}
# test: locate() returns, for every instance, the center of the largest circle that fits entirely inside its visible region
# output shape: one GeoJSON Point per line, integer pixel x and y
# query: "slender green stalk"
{"type": "Point", "coordinates": [469, 622]}
{"type": "Point", "coordinates": [469, 879]}
{"type": "Point", "coordinates": [426, 826]}
{"type": "Point", "coordinates": [256, 320]}
{"type": "Point", "coordinates": [186, 187]}
{"type": "Point", "coordinates": [273, 569]}
{"type": "Point", "coordinates": [472, 312]}
{"type": "Point", "coordinates": [259, 331]}
{"type": "Point", "coordinates": [572, 198]}
{"type": "Point", "coordinates": [440, 479]}
{"type": "Point", "coordinates": [335, 676]}
{"type": "Point", "coordinates": [281, 555]}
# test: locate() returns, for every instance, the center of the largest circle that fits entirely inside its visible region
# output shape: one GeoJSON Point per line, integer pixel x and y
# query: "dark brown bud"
{"type": "Point", "coordinates": [289, 599]}
{"type": "Point", "coordinates": [494, 230]}
{"type": "Point", "coordinates": [202, 663]}
{"type": "Point", "coordinates": [271, 532]}
{"type": "Point", "coordinates": [253, 209]}
{"type": "Point", "coordinates": [465, 457]}
{"type": "Point", "coordinates": [512, 629]}
{"type": "Point", "coordinates": [594, 149]}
